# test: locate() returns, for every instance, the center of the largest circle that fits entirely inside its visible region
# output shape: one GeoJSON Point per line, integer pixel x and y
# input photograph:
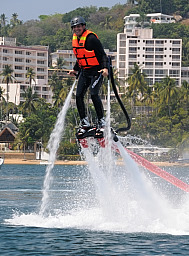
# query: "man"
{"type": "Point", "coordinates": [92, 63]}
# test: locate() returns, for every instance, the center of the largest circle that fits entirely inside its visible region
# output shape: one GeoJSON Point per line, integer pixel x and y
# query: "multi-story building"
{"type": "Point", "coordinates": [158, 58]}
{"type": "Point", "coordinates": [21, 58]}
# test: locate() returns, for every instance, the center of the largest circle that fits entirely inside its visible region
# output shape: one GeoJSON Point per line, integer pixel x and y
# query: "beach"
{"type": "Point", "coordinates": [67, 162]}
{"type": "Point", "coordinates": [41, 162]}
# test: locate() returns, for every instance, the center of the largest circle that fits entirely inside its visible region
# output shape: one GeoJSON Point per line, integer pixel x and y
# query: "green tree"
{"type": "Point", "coordinates": [14, 20]}
{"type": "Point", "coordinates": [22, 138]}
{"type": "Point", "coordinates": [168, 92]}
{"type": "Point", "coordinates": [60, 63]}
{"type": "Point", "coordinates": [185, 94]}
{"type": "Point", "coordinates": [30, 74]}
{"type": "Point", "coordinates": [137, 84]}
{"type": "Point", "coordinates": [28, 106]}
{"type": "Point", "coordinates": [7, 78]}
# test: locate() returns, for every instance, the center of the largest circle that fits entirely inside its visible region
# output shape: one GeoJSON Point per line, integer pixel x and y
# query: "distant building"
{"type": "Point", "coordinates": [21, 58]}
{"type": "Point", "coordinates": [158, 58]}
{"type": "Point", "coordinates": [131, 21]}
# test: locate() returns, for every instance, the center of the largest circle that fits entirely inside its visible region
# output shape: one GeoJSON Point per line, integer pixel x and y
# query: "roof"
{"type": "Point", "coordinates": [7, 135]}
{"type": "Point", "coordinates": [11, 126]}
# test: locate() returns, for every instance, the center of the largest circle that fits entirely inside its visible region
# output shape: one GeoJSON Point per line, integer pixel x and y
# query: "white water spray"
{"type": "Point", "coordinates": [53, 146]}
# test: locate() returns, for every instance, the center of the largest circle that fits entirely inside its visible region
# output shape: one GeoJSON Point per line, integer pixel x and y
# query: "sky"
{"type": "Point", "coordinates": [28, 10]}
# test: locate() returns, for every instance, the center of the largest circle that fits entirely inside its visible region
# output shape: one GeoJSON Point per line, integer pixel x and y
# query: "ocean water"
{"type": "Point", "coordinates": [92, 212]}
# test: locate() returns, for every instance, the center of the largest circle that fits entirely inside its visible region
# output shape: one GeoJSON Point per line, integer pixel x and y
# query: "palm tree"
{"type": "Point", "coordinates": [60, 62]}
{"type": "Point", "coordinates": [2, 99]}
{"type": "Point", "coordinates": [185, 93]}
{"type": "Point", "coordinates": [137, 83]}
{"type": "Point", "coordinates": [22, 138]}
{"type": "Point", "coordinates": [149, 97]}
{"type": "Point", "coordinates": [30, 99]}
{"type": "Point", "coordinates": [14, 20]}
{"type": "Point", "coordinates": [30, 74]}
{"type": "Point", "coordinates": [61, 96]}
{"type": "Point", "coordinates": [168, 92]}
{"type": "Point", "coordinates": [7, 77]}
{"type": "Point", "coordinates": [3, 20]}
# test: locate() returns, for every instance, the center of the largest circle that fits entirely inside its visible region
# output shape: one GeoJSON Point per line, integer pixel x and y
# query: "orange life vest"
{"type": "Point", "coordinates": [85, 58]}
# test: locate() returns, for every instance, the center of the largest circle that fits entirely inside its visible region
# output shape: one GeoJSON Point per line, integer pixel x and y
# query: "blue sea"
{"type": "Point", "coordinates": [112, 213]}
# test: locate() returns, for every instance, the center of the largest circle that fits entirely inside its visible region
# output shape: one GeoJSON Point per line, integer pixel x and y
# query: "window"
{"type": "Point", "coordinates": [149, 64]}
{"type": "Point", "coordinates": [132, 49]}
{"type": "Point", "coordinates": [122, 37]}
{"type": "Point", "coordinates": [159, 56]}
{"type": "Point", "coordinates": [158, 64]}
{"type": "Point", "coordinates": [149, 56]}
{"type": "Point", "coordinates": [122, 51]}
{"type": "Point", "coordinates": [40, 69]}
{"type": "Point", "coordinates": [131, 63]}
{"type": "Point", "coordinates": [18, 75]}
{"type": "Point", "coordinates": [18, 52]}
{"type": "Point", "coordinates": [122, 73]}
{"type": "Point", "coordinates": [159, 49]}
{"type": "Point", "coordinates": [148, 49]}
{"type": "Point", "coordinates": [176, 42]}
{"type": "Point", "coordinates": [173, 73]}
{"type": "Point", "coordinates": [123, 44]}
{"type": "Point", "coordinates": [176, 50]}
{"type": "Point", "coordinates": [158, 80]}
{"type": "Point", "coordinates": [148, 71]}
{"type": "Point", "coordinates": [159, 42]}
{"type": "Point", "coordinates": [149, 42]}
{"type": "Point", "coordinates": [132, 56]}
{"type": "Point", "coordinates": [40, 54]}
{"type": "Point", "coordinates": [18, 67]}
{"type": "Point", "coordinates": [175, 57]}
{"type": "Point", "coordinates": [18, 60]}
{"type": "Point", "coordinates": [5, 50]}
{"type": "Point", "coordinates": [133, 41]}
{"type": "Point", "coordinates": [122, 65]}
{"type": "Point", "coordinates": [176, 64]}
{"type": "Point", "coordinates": [122, 57]}
{"type": "Point", "coordinates": [161, 72]}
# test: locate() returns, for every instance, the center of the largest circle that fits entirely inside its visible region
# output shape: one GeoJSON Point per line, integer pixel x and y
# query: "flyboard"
{"type": "Point", "coordinates": [92, 132]}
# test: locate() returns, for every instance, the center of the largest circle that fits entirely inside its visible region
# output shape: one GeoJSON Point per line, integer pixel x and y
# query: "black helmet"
{"type": "Point", "coordinates": [77, 20]}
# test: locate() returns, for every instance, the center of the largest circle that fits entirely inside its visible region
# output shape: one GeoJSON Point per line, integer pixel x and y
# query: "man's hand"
{"type": "Point", "coordinates": [72, 73]}
{"type": "Point", "coordinates": [104, 71]}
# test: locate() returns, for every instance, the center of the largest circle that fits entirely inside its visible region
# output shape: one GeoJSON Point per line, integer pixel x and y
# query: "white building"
{"type": "Point", "coordinates": [158, 58]}
{"type": "Point", "coordinates": [131, 21]}
{"type": "Point", "coordinates": [21, 58]}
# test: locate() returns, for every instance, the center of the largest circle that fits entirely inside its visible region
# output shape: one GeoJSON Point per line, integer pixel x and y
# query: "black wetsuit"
{"type": "Point", "coordinates": [91, 78]}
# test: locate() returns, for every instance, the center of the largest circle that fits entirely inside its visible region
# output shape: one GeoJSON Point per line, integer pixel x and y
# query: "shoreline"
{"type": "Point", "coordinates": [67, 162]}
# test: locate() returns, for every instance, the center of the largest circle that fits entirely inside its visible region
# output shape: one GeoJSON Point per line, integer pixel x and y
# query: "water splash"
{"type": "Point", "coordinates": [53, 146]}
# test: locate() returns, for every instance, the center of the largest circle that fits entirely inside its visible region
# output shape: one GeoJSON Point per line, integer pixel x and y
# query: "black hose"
{"type": "Point", "coordinates": [111, 77]}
